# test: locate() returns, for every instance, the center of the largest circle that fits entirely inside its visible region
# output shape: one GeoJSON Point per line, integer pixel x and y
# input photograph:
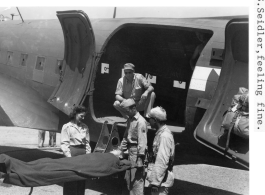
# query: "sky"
{"type": "Point", "coordinates": [145, 8]}
{"type": "Point", "coordinates": [104, 9]}
{"type": "Point", "coordinates": [47, 12]}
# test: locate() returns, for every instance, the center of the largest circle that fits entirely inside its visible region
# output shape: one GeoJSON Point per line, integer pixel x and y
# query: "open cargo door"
{"type": "Point", "coordinates": [78, 60]}
{"type": "Point", "coordinates": [234, 74]}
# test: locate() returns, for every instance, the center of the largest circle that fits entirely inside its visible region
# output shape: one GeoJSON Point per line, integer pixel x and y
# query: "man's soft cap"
{"type": "Point", "coordinates": [158, 113]}
{"type": "Point", "coordinates": [127, 103]}
{"type": "Point", "coordinates": [128, 66]}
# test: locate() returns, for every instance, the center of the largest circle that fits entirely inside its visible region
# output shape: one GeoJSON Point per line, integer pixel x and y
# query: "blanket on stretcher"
{"type": "Point", "coordinates": [47, 171]}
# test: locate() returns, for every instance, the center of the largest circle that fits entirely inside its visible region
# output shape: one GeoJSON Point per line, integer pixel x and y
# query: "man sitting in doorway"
{"type": "Point", "coordinates": [135, 86]}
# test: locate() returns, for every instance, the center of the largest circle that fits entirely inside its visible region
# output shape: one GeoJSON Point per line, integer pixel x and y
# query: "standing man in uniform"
{"type": "Point", "coordinates": [159, 172]}
{"type": "Point", "coordinates": [135, 86]}
{"type": "Point", "coordinates": [135, 141]}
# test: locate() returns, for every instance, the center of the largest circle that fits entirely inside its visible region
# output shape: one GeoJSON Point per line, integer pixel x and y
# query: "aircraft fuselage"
{"type": "Point", "coordinates": [48, 66]}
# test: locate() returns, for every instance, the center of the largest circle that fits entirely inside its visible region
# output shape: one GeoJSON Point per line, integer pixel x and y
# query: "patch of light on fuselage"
{"type": "Point", "coordinates": [200, 77]}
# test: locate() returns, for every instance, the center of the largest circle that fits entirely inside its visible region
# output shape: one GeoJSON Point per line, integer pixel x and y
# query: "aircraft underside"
{"type": "Point", "coordinates": [23, 106]}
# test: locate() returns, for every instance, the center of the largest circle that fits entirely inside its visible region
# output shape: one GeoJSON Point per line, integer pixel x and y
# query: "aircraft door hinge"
{"type": "Point", "coordinates": [98, 55]}
{"type": "Point", "coordinates": [52, 99]}
{"type": "Point", "coordinates": [217, 56]}
{"type": "Point", "coordinates": [61, 76]}
{"type": "Point", "coordinates": [234, 158]}
{"type": "Point", "coordinates": [203, 103]}
{"type": "Point", "coordinates": [82, 71]}
{"type": "Point", "coordinates": [90, 92]}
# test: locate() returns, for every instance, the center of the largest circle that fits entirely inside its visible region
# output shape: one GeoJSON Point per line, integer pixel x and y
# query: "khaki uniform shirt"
{"type": "Point", "coordinates": [136, 133]}
{"type": "Point", "coordinates": [163, 150]}
{"type": "Point", "coordinates": [72, 135]}
{"type": "Point", "coordinates": [132, 90]}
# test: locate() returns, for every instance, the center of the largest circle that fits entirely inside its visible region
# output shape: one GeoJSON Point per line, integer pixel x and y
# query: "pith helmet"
{"type": "Point", "coordinates": [158, 113]}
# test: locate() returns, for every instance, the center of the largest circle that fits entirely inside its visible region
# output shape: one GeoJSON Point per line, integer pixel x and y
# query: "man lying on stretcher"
{"type": "Point", "coordinates": [47, 171]}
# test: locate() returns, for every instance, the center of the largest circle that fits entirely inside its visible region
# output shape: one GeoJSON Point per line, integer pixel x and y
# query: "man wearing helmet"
{"type": "Point", "coordinates": [159, 173]}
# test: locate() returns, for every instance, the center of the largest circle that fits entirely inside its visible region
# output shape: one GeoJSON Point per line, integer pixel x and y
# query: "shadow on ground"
{"type": "Point", "coordinates": [188, 188]}
{"type": "Point", "coordinates": [115, 187]}
{"type": "Point", "coordinates": [199, 154]}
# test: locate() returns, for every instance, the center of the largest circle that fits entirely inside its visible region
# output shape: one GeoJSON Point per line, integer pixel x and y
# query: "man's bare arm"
{"type": "Point", "coordinates": [119, 98]}
{"type": "Point", "coordinates": [149, 90]}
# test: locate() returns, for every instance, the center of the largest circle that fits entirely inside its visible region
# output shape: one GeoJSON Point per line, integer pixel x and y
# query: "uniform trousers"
{"type": "Point", "coordinates": [145, 105]}
{"type": "Point", "coordinates": [135, 176]}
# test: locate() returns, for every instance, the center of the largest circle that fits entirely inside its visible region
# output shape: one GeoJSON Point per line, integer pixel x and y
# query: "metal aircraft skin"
{"type": "Point", "coordinates": [49, 66]}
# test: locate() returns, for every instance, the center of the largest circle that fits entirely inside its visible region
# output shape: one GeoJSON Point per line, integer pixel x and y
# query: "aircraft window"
{"type": "Point", "coordinates": [40, 63]}
{"type": "Point", "coordinates": [9, 57]}
{"type": "Point", "coordinates": [59, 66]}
{"type": "Point", "coordinates": [23, 59]}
